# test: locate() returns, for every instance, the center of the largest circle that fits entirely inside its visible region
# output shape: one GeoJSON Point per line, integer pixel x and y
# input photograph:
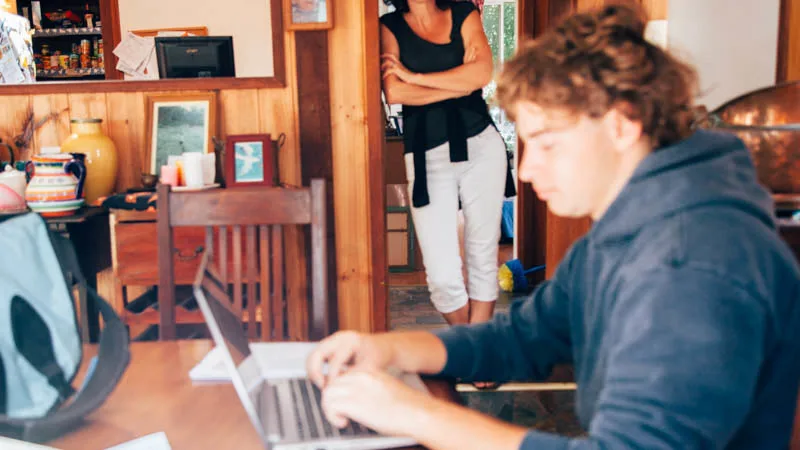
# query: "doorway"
{"type": "Point", "coordinates": [408, 300]}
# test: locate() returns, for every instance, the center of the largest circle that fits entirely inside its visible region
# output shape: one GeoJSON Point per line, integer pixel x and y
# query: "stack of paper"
{"type": "Point", "coordinates": [274, 359]}
{"type": "Point", "coordinates": [155, 441]}
{"type": "Point", "coordinates": [137, 57]}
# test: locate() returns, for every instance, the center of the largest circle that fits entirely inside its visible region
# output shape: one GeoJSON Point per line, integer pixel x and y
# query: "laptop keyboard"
{"type": "Point", "coordinates": [309, 418]}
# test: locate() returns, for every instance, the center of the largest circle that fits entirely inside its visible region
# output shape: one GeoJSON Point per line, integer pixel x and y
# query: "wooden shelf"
{"type": "Point", "coordinates": [69, 73]}
{"type": "Point", "coordinates": [59, 32]}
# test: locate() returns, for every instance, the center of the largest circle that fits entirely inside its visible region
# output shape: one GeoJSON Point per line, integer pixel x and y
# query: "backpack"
{"type": "Point", "coordinates": [40, 344]}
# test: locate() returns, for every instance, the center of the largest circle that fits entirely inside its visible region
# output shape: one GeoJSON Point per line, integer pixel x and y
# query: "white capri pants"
{"type": "Point", "coordinates": [480, 184]}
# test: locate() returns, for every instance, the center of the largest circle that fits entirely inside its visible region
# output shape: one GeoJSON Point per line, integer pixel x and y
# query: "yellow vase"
{"type": "Point", "coordinates": [101, 157]}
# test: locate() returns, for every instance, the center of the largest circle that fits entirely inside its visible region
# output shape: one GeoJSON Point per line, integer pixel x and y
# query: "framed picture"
{"type": "Point", "coordinates": [177, 124]}
{"type": "Point", "coordinates": [249, 160]}
{"type": "Point", "coordinates": [308, 14]}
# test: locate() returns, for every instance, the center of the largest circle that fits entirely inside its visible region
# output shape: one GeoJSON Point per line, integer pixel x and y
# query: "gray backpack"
{"type": "Point", "coordinates": [40, 344]}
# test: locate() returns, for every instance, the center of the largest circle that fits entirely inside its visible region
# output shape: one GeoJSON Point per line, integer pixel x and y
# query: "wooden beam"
{"type": "Point", "coordinates": [314, 114]}
{"type": "Point", "coordinates": [788, 68]}
{"type": "Point", "coordinates": [357, 133]}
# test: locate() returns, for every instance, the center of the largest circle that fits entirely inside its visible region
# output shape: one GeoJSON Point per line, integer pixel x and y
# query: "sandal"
{"type": "Point", "coordinates": [485, 385]}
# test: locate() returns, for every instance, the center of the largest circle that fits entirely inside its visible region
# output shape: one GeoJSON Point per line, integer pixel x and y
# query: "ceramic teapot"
{"type": "Point", "coordinates": [12, 191]}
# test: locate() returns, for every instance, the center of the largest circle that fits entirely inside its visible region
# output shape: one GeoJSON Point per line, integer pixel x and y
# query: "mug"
{"type": "Point", "coordinates": [193, 170]}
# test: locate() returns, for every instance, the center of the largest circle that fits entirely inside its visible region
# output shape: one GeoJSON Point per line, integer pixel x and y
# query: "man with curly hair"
{"type": "Point", "coordinates": [679, 309]}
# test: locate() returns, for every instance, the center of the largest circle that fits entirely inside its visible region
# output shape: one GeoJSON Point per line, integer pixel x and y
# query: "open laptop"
{"type": "Point", "coordinates": [283, 405]}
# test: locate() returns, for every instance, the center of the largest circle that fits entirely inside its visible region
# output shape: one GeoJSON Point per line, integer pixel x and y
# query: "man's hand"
{"type": "Point", "coordinates": [347, 350]}
{"type": "Point", "coordinates": [376, 400]}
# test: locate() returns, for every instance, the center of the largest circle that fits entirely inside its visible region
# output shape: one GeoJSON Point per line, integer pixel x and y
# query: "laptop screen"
{"type": "Point", "coordinates": [226, 330]}
{"type": "Point", "coordinates": [230, 326]}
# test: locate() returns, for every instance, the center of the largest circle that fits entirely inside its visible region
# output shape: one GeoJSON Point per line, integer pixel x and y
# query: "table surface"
{"type": "Point", "coordinates": [156, 395]}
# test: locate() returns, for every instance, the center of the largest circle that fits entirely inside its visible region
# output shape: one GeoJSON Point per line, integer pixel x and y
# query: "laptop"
{"type": "Point", "coordinates": [283, 405]}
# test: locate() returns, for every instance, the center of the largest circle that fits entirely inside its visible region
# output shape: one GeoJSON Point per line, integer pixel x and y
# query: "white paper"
{"type": "Point", "coordinates": [275, 360]}
{"type": "Point", "coordinates": [155, 441]}
{"type": "Point", "coordinates": [137, 57]}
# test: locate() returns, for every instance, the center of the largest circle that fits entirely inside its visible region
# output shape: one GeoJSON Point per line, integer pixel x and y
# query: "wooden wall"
{"type": "Point", "coordinates": [336, 133]}
{"type": "Point", "coordinates": [123, 114]}
{"type": "Point", "coordinates": [269, 110]}
{"type": "Point", "coordinates": [789, 41]}
{"type": "Point", "coordinates": [656, 9]}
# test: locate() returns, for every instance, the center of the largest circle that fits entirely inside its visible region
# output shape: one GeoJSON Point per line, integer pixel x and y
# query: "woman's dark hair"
{"type": "Point", "coordinates": [402, 5]}
{"type": "Point", "coordinates": [600, 60]}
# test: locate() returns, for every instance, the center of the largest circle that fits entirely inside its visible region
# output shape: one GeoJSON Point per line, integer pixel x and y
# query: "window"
{"type": "Point", "coordinates": [500, 24]}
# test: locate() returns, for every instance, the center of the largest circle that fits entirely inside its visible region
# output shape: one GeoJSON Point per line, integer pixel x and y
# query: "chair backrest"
{"type": "Point", "coordinates": [259, 214]}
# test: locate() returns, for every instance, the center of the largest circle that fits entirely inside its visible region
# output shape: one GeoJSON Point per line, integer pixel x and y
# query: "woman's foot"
{"type": "Point", "coordinates": [485, 385]}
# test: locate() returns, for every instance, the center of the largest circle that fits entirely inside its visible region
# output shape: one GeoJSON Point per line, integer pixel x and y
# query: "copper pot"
{"type": "Point", "coordinates": [768, 121]}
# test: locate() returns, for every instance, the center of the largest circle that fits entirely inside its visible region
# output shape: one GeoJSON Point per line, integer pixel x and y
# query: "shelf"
{"type": "Point", "coordinates": [59, 32]}
{"type": "Point", "coordinates": [69, 73]}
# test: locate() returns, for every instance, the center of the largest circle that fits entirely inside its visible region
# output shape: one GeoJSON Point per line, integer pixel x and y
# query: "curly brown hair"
{"type": "Point", "coordinates": [599, 60]}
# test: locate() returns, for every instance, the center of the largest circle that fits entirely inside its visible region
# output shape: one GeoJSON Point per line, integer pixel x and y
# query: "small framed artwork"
{"type": "Point", "coordinates": [249, 160]}
{"type": "Point", "coordinates": [308, 14]}
{"type": "Point", "coordinates": [178, 124]}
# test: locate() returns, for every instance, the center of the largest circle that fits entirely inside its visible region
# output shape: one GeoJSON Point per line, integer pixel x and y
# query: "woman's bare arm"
{"type": "Point", "coordinates": [473, 74]}
{"type": "Point", "coordinates": [400, 92]}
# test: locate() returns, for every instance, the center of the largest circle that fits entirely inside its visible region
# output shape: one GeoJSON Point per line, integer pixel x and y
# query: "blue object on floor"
{"type": "Point", "coordinates": [507, 222]}
{"type": "Point", "coordinates": [511, 276]}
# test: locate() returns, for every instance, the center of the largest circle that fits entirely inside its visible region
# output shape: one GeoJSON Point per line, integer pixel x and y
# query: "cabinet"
{"type": "Point", "coordinates": [134, 253]}
{"type": "Point", "coordinates": [67, 38]}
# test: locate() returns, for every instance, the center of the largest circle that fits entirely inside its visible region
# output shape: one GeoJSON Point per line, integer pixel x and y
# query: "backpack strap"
{"type": "Point", "coordinates": [113, 356]}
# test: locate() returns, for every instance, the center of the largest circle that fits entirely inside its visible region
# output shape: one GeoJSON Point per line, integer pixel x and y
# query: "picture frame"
{"type": "Point", "coordinates": [178, 123]}
{"type": "Point", "coordinates": [308, 14]}
{"type": "Point", "coordinates": [249, 160]}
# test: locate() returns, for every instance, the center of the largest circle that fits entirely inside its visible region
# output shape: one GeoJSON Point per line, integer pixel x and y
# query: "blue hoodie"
{"type": "Point", "coordinates": [679, 310]}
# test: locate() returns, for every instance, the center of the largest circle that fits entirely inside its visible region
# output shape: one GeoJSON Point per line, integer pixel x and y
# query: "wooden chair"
{"type": "Point", "coordinates": [259, 214]}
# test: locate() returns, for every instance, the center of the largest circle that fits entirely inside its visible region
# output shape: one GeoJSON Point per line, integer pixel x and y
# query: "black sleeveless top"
{"type": "Point", "coordinates": [449, 121]}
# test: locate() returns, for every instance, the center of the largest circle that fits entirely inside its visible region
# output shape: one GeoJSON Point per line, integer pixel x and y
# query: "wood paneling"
{"type": "Point", "coordinates": [357, 135]}
{"type": "Point", "coordinates": [13, 113]}
{"type": "Point", "coordinates": [789, 42]}
{"type": "Point", "coordinates": [314, 121]}
{"type": "Point", "coordinates": [129, 130]}
{"type": "Point", "coordinates": [123, 115]}
{"type": "Point", "coordinates": [267, 110]}
{"type": "Point", "coordinates": [656, 9]}
{"type": "Point", "coordinates": [57, 110]}
{"type": "Point", "coordinates": [376, 197]}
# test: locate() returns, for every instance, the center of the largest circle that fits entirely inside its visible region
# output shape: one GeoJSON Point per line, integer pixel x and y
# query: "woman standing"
{"type": "Point", "coordinates": [436, 60]}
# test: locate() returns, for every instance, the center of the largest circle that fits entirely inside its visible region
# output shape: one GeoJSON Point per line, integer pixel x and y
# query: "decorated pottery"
{"type": "Point", "coordinates": [56, 186]}
{"type": "Point", "coordinates": [101, 156]}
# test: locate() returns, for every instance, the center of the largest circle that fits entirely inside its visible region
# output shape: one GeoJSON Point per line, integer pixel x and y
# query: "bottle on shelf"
{"type": "Point", "coordinates": [88, 16]}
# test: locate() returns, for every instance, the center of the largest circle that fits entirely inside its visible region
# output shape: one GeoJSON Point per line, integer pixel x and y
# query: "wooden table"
{"type": "Point", "coordinates": [157, 395]}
